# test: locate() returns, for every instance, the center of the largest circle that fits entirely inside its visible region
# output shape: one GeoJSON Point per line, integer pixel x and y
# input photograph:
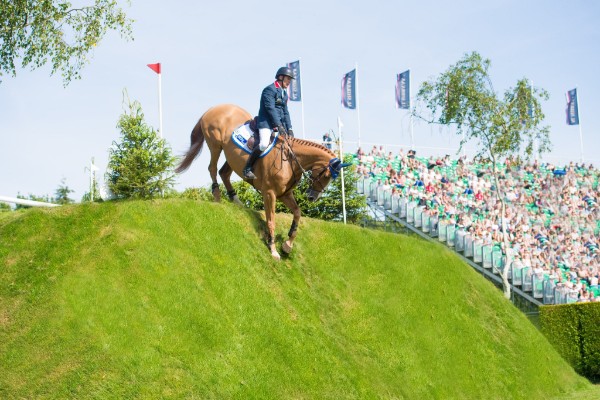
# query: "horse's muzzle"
{"type": "Point", "coordinates": [313, 195]}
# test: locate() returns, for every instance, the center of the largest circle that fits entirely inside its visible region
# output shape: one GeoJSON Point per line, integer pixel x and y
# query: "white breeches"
{"type": "Point", "coordinates": [265, 137]}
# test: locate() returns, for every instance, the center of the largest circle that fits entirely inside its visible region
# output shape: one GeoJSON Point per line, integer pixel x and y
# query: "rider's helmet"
{"type": "Point", "coordinates": [285, 71]}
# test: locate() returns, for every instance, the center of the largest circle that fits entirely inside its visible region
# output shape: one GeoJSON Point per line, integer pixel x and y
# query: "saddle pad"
{"type": "Point", "coordinates": [241, 135]}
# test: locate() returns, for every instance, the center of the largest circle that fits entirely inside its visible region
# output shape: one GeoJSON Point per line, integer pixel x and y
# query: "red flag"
{"type": "Point", "coordinates": [155, 67]}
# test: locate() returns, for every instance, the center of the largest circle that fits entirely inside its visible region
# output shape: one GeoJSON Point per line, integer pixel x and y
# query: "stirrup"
{"type": "Point", "coordinates": [248, 174]}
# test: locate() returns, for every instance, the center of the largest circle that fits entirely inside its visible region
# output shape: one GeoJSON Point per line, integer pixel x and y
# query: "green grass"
{"type": "Point", "coordinates": [181, 299]}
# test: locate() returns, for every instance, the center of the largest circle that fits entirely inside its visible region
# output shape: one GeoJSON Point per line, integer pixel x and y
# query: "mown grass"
{"type": "Point", "coordinates": [181, 299]}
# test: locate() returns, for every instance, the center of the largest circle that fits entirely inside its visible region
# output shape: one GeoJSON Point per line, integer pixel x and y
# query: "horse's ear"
{"type": "Point", "coordinates": [346, 164]}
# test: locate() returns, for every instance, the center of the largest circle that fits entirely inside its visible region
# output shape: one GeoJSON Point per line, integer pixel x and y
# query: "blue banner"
{"type": "Point", "coordinates": [295, 90]}
{"type": "Point", "coordinates": [349, 90]}
{"type": "Point", "coordinates": [572, 108]}
{"type": "Point", "coordinates": [403, 90]}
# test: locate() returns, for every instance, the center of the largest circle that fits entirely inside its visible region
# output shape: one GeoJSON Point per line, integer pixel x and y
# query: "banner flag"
{"type": "Point", "coordinates": [155, 67]}
{"type": "Point", "coordinates": [572, 108]}
{"type": "Point", "coordinates": [349, 90]}
{"type": "Point", "coordinates": [295, 90]}
{"type": "Point", "coordinates": [403, 90]}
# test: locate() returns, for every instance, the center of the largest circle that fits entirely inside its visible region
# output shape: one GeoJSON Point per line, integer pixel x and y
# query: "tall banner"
{"type": "Point", "coordinates": [572, 108]}
{"type": "Point", "coordinates": [349, 90]}
{"type": "Point", "coordinates": [403, 90]}
{"type": "Point", "coordinates": [295, 91]}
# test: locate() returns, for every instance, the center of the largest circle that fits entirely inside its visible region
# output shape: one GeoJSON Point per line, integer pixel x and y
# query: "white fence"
{"type": "Point", "coordinates": [24, 202]}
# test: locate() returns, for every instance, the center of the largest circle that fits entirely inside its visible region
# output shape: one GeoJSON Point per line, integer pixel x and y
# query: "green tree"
{"type": "Point", "coordinates": [62, 193]}
{"type": "Point", "coordinates": [141, 165]}
{"type": "Point", "coordinates": [38, 32]}
{"type": "Point", "coordinates": [503, 126]}
{"type": "Point", "coordinates": [4, 207]}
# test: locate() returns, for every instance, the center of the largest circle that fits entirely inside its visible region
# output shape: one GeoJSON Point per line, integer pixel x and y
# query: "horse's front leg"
{"type": "Point", "coordinates": [291, 203]}
{"type": "Point", "coordinates": [269, 200]}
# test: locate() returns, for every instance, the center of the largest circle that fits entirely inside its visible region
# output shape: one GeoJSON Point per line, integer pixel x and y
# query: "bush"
{"type": "Point", "coordinates": [574, 331]}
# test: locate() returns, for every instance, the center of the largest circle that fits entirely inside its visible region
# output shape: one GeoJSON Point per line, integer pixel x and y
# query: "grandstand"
{"type": "Point", "coordinates": [553, 217]}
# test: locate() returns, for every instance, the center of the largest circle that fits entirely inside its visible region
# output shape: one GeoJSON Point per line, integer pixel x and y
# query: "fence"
{"type": "Point", "coordinates": [25, 202]}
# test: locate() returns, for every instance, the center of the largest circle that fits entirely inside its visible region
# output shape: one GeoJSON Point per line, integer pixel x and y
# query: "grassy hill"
{"type": "Point", "coordinates": [181, 299]}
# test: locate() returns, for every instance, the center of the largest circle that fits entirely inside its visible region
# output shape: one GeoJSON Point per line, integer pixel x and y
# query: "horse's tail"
{"type": "Point", "coordinates": [197, 141]}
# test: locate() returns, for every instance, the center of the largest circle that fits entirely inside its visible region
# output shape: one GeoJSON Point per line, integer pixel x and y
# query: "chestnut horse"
{"type": "Point", "coordinates": [277, 173]}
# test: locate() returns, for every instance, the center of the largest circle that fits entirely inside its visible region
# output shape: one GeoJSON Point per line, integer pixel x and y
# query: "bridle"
{"type": "Point", "coordinates": [308, 174]}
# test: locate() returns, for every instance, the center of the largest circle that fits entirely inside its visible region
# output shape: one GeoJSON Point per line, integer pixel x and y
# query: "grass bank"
{"type": "Point", "coordinates": [181, 299]}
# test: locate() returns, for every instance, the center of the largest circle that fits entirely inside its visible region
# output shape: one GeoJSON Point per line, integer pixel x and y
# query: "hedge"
{"type": "Point", "coordinates": [574, 330]}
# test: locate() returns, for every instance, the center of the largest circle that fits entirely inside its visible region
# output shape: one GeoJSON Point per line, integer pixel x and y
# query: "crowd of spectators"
{"type": "Point", "coordinates": [552, 212]}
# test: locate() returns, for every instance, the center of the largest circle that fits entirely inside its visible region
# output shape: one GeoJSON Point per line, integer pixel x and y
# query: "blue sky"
{"type": "Point", "coordinates": [227, 51]}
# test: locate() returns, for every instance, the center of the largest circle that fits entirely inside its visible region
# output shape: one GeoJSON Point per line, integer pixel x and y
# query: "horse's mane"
{"type": "Point", "coordinates": [308, 143]}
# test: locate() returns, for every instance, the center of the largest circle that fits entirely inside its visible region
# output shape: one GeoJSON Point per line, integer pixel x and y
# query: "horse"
{"type": "Point", "coordinates": [277, 173]}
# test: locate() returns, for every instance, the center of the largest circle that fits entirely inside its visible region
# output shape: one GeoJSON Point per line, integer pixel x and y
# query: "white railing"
{"type": "Point", "coordinates": [25, 202]}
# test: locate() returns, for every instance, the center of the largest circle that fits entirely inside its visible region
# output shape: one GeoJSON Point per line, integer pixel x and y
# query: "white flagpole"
{"type": "Point", "coordinates": [160, 123]}
{"type": "Point", "coordinates": [342, 173]}
{"type": "Point", "coordinates": [92, 172]}
{"type": "Point", "coordinates": [579, 118]}
{"type": "Point", "coordinates": [302, 103]}
{"type": "Point", "coordinates": [357, 102]}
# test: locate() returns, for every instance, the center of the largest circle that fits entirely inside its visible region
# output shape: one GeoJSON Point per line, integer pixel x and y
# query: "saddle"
{"type": "Point", "coordinates": [246, 137]}
{"type": "Point", "coordinates": [253, 126]}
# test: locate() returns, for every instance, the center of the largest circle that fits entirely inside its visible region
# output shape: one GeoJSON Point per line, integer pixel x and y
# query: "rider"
{"type": "Point", "coordinates": [273, 115]}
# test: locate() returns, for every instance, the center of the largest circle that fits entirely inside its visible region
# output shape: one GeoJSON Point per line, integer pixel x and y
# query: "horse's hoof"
{"type": "Point", "coordinates": [287, 247]}
{"type": "Point", "coordinates": [276, 255]}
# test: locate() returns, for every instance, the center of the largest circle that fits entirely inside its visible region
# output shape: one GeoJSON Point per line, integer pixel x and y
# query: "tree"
{"type": "Point", "coordinates": [62, 193]}
{"type": "Point", "coordinates": [141, 165]}
{"type": "Point", "coordinates": [38, 32]}
{"type": "Point", "coordinates": [463, 96]}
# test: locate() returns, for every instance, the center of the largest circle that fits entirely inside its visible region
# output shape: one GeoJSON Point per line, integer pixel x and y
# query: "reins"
{"type": "Point", "coordinates": [306, 174]}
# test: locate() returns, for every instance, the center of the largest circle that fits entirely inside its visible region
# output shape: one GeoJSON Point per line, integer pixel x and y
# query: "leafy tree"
{"type": "Point", "coordinates": [38, 32]}
{"type": "Point", "coordinates": [62, 193]}
{"type": "Point", "coordinates": [503, 126]}
{"type": "Point", "coordinates": [141, 165]}
{"type": "Point", "coordinates": [4, 207]}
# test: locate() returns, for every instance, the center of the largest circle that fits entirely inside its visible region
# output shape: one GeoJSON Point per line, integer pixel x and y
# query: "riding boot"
{"type": "Point", "coordinates": [248, 174]}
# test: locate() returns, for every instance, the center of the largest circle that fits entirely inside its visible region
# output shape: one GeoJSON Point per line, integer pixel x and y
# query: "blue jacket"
{"type": "Point", "coordinates": [273, 108]}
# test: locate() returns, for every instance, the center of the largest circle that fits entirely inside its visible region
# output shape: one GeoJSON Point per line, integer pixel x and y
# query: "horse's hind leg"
{"type": "Point", "coordinates": [225, 174]}
{"type": "Point", "coordinates": [212, 170]}
{"type": "Point", "coordinates": [291, 203]}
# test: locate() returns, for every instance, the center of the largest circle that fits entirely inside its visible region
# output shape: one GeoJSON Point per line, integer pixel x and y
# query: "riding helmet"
{"type": "Point", "coordinates": [284, 71]}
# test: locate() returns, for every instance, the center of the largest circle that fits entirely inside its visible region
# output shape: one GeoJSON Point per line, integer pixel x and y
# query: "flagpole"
{"type": "Point", "coordinates": [92, 172]}
{"type": "Point", "coordinates": [342, 174]}
{"type": "Point", "coordinates": [160, 121]}
{"type": "Point", "coordinates": [579, 120]}
{"type": "Point", "coordinates": [302, 105]}
{"type": "Point", "coordinates": [357, 101]}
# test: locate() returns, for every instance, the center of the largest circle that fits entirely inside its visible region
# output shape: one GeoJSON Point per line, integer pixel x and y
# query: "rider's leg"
{"type": "Point", "coordinates": [265, 135]}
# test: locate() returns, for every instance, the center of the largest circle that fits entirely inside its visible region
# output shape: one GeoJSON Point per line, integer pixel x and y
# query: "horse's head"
{"type": "Point", "coordinates": [322, 175]}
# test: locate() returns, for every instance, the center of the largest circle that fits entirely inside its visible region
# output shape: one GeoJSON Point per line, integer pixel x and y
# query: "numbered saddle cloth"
{"type": "Point", "coordinates": [243, 135]}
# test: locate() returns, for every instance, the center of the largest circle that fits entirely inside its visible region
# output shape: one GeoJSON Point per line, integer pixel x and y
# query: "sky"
{"type": "Point", "coordinates": [227, 51]}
